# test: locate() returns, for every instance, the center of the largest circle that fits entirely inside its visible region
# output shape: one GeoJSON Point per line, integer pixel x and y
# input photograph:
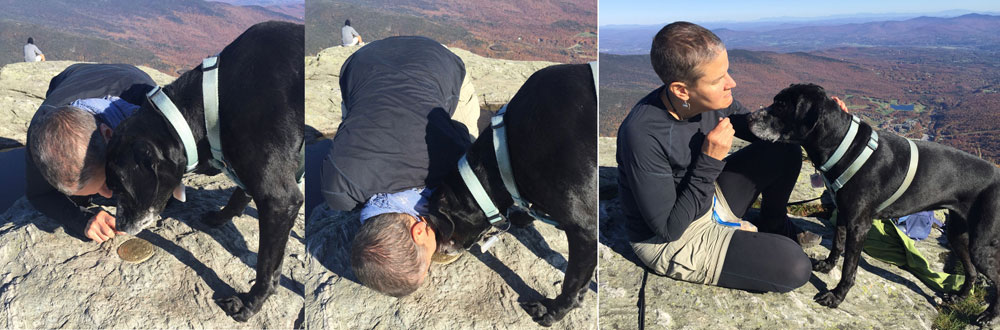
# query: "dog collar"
{"type": "Point", "coordinates": [478, 192]}
{"type": "Point", "coordinates": [844, 143]}
{"type": "Point", "coordinates": [165, 107]}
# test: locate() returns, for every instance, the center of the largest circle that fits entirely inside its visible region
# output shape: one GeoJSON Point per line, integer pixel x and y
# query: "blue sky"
{"type": "Point", "coordinates": [660, 11]}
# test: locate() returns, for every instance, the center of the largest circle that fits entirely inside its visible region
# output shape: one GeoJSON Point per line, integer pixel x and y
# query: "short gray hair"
{"type": "Point", "coordinates": [67, 147]}
{"type": "Point", "coordinates": [384, 256]}
{"type": "Point", "coordinates": [679, 48]}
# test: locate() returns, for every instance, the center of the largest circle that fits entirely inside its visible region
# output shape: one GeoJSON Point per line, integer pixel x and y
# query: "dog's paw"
{"type": "Point", "coordinates": [540, 311]}
{"type": "Point", "coordinates": [215, 219]}
{"type": "Point", "coordinates": [233, 306]}
{"type": "Point", "coordinates": [828, 299]}
{"type": "Point", "coordinates": [952, 298]}
{"type": "Point", "coordinates": [822, 266]}
{"type": "Point", "coordinates": [987, 319]}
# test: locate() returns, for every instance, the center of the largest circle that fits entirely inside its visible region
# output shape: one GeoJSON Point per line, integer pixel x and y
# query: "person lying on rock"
{"type": "Point", "coordinates": [67, 140]}
{"type": "Point", "coordinates": [683, 198]}
{"type": "Point", "coordinates": [408, 115]}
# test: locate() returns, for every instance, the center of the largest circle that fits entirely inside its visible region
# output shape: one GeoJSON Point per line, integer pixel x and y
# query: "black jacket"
{"type": "Point", "coordinates": [399, 95]}
{"type": "Point", "coordinates": [664, 180]}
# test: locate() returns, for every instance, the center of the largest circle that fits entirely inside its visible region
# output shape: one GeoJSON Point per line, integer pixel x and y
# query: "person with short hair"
{"type": "Point", "coordinates": [349, 36]}
{"type": "Point", "coordinates": [32, 53]}
{"type": "Point", "coordinates": [409, 113]}
{"type": "Point", "coordinates": [67, 141]}
{"type": "Point", "coordinates": [684, 199]}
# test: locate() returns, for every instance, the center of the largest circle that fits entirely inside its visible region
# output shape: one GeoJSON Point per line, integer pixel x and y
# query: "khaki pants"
{"type": "Point", "coordinates": [697, 256]}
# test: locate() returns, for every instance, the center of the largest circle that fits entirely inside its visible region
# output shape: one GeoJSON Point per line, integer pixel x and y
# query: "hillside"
{"type": "Point", "coordinates": [552, 30]}
{"type": "Point", "coordinates": [180, 33]}
{"type": "Point", "coordinates": [971, 31]}
{"type": "Point", "coordinates": [953, 92]}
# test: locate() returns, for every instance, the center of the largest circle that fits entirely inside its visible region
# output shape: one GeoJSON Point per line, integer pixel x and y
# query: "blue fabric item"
{"type": "Point", "coordinates": [410, 201]}
{"type": "Point", "coordinates": [918, 225]}
{"type": "Point", "coordinates": [110, 110]}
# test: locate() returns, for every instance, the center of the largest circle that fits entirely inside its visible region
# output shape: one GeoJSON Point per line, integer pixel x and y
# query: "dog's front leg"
{"type": "Point", "coordinates": [579, 271]}
{"type": "Point", "coordinates": [857, 232]}
{"type": "Point", "coordinates": [277, 216]}
{"type": "Point", "coordinates": [839, 236]}
{"type": "Point", "coordinates": [237, 203]}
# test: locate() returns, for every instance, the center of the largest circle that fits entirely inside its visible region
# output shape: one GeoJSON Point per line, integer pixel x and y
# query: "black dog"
{"type": "Point", "coordinates": [946, 178]}
{"type": "Point", "coordinates": [552, 136]}
{"type": "Point", "coordinates": [261, 112]}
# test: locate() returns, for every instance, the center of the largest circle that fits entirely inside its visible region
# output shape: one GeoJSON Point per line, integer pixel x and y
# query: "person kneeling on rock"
{"type": "Point", "coordinates": [409, 113]}
{"type": "Point", "coordinates": [67, 140]}
{"type": "Point", "coordinates": [684, 198]}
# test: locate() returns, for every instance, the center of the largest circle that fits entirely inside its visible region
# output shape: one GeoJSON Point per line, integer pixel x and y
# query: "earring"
{"type": "Point", "coordinates": [686, 105]}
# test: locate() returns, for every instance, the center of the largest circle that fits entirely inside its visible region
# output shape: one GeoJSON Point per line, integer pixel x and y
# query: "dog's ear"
{"type": "Point", "coordinates": [179, 193]}
{"type": "Point", "coordinates": [807, 111]}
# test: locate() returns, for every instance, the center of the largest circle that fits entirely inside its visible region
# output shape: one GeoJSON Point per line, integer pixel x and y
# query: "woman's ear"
{"type": "Point", "coordinates": [679, 90]}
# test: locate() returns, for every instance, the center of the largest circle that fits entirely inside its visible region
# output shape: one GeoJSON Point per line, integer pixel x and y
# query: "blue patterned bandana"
{"type": "Point", "coordinates": [411, 201]}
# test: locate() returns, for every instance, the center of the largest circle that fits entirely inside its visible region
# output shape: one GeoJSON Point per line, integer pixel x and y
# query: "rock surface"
{"type": "Point", "coordinates": [884, 295]}
{"type": "Point", "coordinates": [22, 90]}
{"type": "Point", "coordinates": [478, 291]}
{"type": "Point", "coordinates": [51, 279]}
{"type": "Point", "coordinates": [496, 82]}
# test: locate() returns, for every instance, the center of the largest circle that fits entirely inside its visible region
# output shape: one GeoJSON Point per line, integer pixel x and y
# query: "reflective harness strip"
{"type": "Point", "coordinates": [911, 171]}
{"type": "Point", "coordinates": [856, 165]}
{"type": "Point", "coordinates": [844, 144]}
{"type": "Point", "coordinates": [176, 120]}
{"type": "Point", "coordinates": [210, 98]}
{"type": "Point", "coordinates": [478, 192]}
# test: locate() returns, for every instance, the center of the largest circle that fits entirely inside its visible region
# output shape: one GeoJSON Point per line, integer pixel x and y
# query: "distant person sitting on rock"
{"type": "Point", "coordinates": [350, 37]}
{"type": "Point", "coordinates": [683, 198]}
{"type": "Point", "coordinates": [32, 53]}
{"type": "Point", "coordinates": [409, 113]}
{"type": "Point", "coordinates": [67, 140]}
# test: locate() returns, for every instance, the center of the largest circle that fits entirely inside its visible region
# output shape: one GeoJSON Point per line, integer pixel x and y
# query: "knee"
{"type": "Point", "coordinates": [799, 269]}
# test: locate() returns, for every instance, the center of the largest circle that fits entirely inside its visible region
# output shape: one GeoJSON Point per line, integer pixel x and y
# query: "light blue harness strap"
{"type": "Point", "coordinates": [503, 157]}
{"type": "Point", "coordinates": [911, 171]}
{"type": "Point", "coordinates": [594, 72]}
{"type": "Point", "coordinates": [478, 192]}
{"type": "Point", "coordinates": [170, 112]}
{"type": "Point", "coordinates": [856, 165]}
{"type": "Point", "coordinates": [210, 98]}
{"type": "Point", "coordinates": [844, 143]}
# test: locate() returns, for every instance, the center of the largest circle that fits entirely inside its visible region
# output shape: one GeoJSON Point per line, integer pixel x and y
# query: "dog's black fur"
{"type": "Point", "coordinates": [552, 135]}
{"type": "Point", "coordinates": [261, 112]}
{"type": "Point", "coordinates": [946, 178]}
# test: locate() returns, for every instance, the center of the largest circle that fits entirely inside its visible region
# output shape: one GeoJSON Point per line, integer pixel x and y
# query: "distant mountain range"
{"type": "Point", "coordinates": [553, 30]}
{"type": "Point", "coordinates": [970, 31]}
{"type": "Point", "coordinates": [171, 36]}
{"type": "Point", "coordinates": [954, 93]}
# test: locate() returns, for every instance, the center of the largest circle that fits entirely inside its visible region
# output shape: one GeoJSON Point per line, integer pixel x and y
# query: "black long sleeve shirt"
{"type": "Point", "coordinates": [665, 181]}
{"type": "Point", "coordinates": [79, 81]}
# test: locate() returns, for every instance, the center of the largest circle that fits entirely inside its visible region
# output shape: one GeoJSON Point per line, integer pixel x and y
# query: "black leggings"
{"type": "Point", "coordinates": [769, 260]}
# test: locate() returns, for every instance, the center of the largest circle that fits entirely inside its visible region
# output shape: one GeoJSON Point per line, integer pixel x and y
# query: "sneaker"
{"type": "Point", "coordinates": [807, 239]}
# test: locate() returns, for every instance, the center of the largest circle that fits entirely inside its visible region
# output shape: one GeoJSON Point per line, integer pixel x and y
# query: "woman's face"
{"type": "Point", "coordinates": [713, 91]}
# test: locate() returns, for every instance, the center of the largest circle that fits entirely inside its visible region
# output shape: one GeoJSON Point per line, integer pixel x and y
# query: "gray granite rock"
{"type": "Point", "coordinates": [883, 297]}
{"type": "Point", "coordinates": [477, 291]}
{"type": "Point", "coordinates": [50, 279]}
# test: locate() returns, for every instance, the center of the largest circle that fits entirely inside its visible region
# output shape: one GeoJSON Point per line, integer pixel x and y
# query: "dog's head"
{"type": "Point", "coordinates": [144, 168]}
{"type": "Point", "coordinates": [457, 224]}
{"type": "Point", "coordinates": [793, 115]}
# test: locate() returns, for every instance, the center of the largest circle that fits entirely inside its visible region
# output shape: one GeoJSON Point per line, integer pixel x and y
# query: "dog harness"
{"type": "Point", "coordinates": [870, 147]}
{"type": "Point", "coordinates": [506, 172]}
{"type": "Point", "coordinates": [210, 100]}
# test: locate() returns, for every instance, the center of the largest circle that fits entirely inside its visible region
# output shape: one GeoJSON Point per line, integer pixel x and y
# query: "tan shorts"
{"type": "Point", "coordinates": [697, 256]}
